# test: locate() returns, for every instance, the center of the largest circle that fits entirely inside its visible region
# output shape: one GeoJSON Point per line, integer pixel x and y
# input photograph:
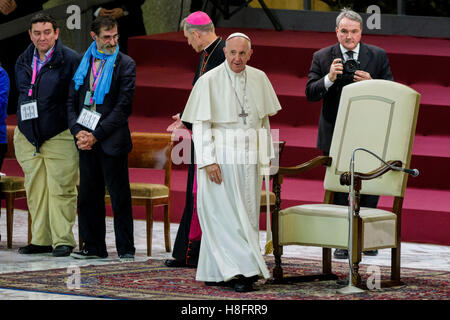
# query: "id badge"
{"type": "Point", "coordinates": [87, 98]}
{"type": "Point", "coordinates": [28, 110]}
{"type": "Point", "coordinates": [88, 118]}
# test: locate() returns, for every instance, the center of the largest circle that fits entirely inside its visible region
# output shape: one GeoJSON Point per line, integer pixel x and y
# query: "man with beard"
{"type": "Point", "coordinates": [99, 105]}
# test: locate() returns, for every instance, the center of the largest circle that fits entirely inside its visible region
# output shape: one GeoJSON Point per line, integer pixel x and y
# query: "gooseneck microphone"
{"type": "Point", "coordinates": [413, 172]}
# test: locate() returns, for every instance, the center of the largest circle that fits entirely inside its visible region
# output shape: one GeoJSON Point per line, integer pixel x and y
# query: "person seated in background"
{"type": "Point", "coordinates": [129, 18]}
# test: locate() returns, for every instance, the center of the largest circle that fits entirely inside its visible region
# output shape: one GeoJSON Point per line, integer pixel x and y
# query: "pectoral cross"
{"type": "Point", "coordinates": [243, 115]}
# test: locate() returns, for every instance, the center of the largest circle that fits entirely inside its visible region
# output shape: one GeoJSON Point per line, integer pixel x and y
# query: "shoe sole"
{"type": "Point", "coordinates": [82, 257]}
{"type": "Point", "coordinates": [61, 254]}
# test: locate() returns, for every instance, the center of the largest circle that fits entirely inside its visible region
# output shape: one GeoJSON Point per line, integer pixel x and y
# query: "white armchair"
{"type": "Point", "coordinates": [378, 115]}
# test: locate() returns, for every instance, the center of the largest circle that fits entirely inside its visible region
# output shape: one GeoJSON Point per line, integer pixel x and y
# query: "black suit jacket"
{"type": "Point", "coordinates": [112, 130]}
{"type": "Point", "coordinates": [372, 59]}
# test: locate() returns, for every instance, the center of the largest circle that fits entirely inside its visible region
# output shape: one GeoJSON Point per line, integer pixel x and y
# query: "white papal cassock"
{"type": "Point", "coordinates": [229, 212]}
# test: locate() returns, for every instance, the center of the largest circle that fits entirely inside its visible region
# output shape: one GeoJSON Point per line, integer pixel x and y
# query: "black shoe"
{"type": "Point", "coordinates": [84, 254]}
{"type": "Point", "coordinates": [243, 285]}
{"type": "Point", "coordinates": [127, 257]}
{"type": "Point", "coordinates": [214, 284]}
{"type": "Point", "coordinates": [371, 253]}
{"type": "Point", "coordinates": [32, 249]}
{"type": "Point", "coordinates": [175, 263]}
{"type": "Point", "coordinates": [341, 254]}
{"type": "Point", "coordinates": [62, 251]}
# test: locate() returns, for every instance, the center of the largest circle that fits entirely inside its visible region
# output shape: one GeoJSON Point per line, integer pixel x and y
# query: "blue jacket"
{"type": "Point", "coordinates": [50, 91]}
{"type": "Point", "coordinates": [4, 91]}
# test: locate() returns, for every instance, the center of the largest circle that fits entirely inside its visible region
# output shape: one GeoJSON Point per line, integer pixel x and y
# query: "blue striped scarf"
{"type": "Point", "coordinates": [104, 83]}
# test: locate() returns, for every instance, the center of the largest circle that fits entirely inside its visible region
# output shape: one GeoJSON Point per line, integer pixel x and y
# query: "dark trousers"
{"type": "Point", "coordinates": [182, 238]}
{"type": "Point", "coordinates": [98, 170]}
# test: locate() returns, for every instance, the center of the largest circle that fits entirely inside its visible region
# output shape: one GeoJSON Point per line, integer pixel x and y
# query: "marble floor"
{"type": "Point", "coordinates": [414, 255]}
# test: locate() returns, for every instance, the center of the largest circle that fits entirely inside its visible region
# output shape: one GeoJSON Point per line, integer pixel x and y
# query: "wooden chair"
{"type": "Point", "coordinates": [152, 151]}
{"type": "Point", "coordinates": [278, 148]}
{"type": "Point", "coordinates": [12, 188]}
{"type": "Point", "coordinates": [378, 115]}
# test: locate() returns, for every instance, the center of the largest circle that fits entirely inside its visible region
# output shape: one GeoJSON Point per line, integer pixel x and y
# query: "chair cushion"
{"type": "Point", "coordinates": [11, 183]}
{"type": "Point", "coordinates": [147, 190]}
{"type": "Point", "coordinates": [326, 225]}
{"type": "Point", "coordinates": [271, 198]}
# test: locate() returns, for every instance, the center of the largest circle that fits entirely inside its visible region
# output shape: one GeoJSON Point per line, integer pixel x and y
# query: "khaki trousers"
{"type": "Point", "coordinates": [50, 183]}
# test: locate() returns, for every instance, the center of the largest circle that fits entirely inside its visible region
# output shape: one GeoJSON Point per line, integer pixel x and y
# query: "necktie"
{"type": "Point", "coordinates": [350, 54]}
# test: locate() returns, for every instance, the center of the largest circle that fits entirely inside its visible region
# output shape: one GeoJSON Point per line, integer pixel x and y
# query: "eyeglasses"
{"type": "Point", "coordinates": [109, 38]}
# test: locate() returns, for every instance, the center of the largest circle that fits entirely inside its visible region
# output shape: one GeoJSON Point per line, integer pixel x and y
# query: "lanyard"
{"type": "Point", "coordinates": [96, 76]}
{"type": "Point", "coordinates": [36, 69]}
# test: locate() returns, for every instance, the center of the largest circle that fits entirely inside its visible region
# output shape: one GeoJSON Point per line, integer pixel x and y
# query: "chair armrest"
{"type": "Point", "coordinates": [345, 178]}
{"type": "Point", "coordinates": [311, 164]}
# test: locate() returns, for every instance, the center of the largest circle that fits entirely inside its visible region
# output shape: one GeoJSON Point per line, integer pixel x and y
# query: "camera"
{"type": "Point", "coordinates": [350, 66]}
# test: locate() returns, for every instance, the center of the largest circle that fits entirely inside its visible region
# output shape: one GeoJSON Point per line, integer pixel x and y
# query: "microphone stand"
{"type": "Point", "coordinates": [414, 172]}
{"type": "Point", "coordinates": [350, 288]}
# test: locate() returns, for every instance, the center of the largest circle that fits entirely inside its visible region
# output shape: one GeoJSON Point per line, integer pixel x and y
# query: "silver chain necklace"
{"type": "Point", "coordinates": [243, 114]}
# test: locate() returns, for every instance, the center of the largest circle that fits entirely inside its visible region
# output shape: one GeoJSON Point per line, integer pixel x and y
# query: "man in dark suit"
{"type": "Point", "coordinates": [13, 47]}
{"type": "Point", "coordinates": [100, 103]}
{"type": "Point", "coordinates": [200, 34]}
{"type": "Point", "coordinates": [326, 79]}
{"type": "Point", "coordinates": [129, 18]}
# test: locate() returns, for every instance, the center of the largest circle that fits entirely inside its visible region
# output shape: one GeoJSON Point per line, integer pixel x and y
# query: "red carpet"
{"type": "Point", "coordinates": [165, 68]}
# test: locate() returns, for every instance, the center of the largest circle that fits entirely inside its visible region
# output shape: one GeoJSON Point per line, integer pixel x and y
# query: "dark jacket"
{"type": "Point", "coordinates": [372, 59]}
{"type": "Point", "coordinates": [50, 90]}
{"type": "Point", "coordinates": [112, 130]}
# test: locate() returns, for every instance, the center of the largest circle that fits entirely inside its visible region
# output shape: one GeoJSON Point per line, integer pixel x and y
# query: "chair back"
{"type": "Point", "coordinates": [381, 116]}
{"type": "Point", "coordinates": [152, 150]}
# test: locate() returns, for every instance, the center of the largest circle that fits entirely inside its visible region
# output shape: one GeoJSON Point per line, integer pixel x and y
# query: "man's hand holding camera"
{"type": "Point", "coordinates": [361, 75]}
{"type": "Point", "coordinates": [336, 68]}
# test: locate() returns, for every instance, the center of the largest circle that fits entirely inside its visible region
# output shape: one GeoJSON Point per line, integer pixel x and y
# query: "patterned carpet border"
{"type": "Point", "coordinates": [153, 280]}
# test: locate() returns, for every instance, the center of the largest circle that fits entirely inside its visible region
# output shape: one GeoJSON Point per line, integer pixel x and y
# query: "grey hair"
{"type": "Point", "coordinates": [201, 28]}
{"type": "Point", "coordinates": [350, 14]}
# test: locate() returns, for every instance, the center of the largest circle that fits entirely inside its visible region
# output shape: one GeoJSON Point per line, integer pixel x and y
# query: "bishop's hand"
{"type": "Point", "coordinates": [178, 124]}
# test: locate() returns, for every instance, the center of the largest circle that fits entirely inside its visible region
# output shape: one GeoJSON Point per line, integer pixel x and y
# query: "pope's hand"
{"type": "Point", "coordinates": [214, 173]}
{"type": "Point", "coordinates": [178, 124]}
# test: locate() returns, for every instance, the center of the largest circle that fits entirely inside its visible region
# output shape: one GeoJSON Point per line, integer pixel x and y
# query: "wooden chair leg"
{"type": "Point", "coordinates": [9, 218]}
{"type": "Point", "coordinates": [277, 270]}
{"type": "Point", "coordinates": [395, 264]}
{"type": "Point", "coordinates": [29, 227]}
{"type": "Point", "coordinates": [167, 227]}
{"type": "Point", "coordinates": [149, 218]}
{"type": "Point", "coordinates": [326, 261]}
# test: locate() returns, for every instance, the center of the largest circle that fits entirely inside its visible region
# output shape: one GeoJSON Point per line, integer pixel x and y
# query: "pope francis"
{"type": "Point", "coordinates": [229, 108]}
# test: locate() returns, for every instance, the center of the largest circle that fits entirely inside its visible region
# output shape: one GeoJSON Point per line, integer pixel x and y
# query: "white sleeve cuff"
{"type": "Point", "coordinates": [327, 82]}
